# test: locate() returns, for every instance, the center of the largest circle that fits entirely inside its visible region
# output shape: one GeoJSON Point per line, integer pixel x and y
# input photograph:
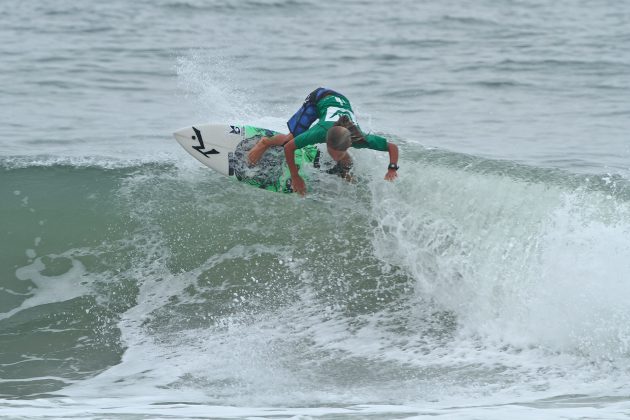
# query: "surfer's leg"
{"type": "Point", "coordinates": [261, 147]}
{"type": "Point", "coordinates": [258, 150]}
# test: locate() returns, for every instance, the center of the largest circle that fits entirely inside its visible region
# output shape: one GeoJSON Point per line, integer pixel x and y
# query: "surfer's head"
{"type": "Point", "coordinates": [338, 140]}
{"type": "Point", "coordinates": [342, 135]}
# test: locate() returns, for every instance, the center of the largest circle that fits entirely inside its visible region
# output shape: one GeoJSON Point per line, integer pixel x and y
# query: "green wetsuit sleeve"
{"type": "Point", "coordinates": [374, 142]}
{"type": "Point", "coordinates": [315, 134]}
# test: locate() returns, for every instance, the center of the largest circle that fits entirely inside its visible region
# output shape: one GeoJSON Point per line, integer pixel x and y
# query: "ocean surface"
{"type": "Point", "coordinates": [491, 280]}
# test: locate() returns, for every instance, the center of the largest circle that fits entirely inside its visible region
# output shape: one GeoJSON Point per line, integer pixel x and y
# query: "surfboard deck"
{"type": "Point", "coordinates": [224, 147]}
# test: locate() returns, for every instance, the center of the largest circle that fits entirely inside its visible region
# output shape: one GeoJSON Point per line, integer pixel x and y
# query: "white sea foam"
{"type": "Point", "coordinates": [535, 273]}
{"type": "Point", "coordinates": [49, 289]}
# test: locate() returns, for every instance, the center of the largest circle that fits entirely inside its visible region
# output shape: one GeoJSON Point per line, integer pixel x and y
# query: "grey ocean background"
{"type": "Point", "coordinates": [490, 281]}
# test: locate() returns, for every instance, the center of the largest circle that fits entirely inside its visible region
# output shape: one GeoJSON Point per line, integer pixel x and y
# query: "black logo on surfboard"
{"type": "Point", "coordinates": [200, 148]}
{"type": "Point", "coordinates": [235, 129]}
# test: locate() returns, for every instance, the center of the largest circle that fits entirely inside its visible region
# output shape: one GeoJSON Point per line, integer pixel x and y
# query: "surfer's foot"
{"type": "Point", "coordinates": [257, 151]}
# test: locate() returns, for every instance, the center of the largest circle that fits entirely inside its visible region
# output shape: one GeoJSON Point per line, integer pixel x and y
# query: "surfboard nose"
{"type": "Point", "coordinates": [186, 133]}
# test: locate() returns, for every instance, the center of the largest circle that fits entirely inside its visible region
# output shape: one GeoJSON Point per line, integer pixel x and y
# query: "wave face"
{"type": "Point", "coordinates": [465, 279]}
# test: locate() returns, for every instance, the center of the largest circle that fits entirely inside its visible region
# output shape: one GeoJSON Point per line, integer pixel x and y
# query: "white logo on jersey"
{"type": "Point", "coordinates": [334, 113]}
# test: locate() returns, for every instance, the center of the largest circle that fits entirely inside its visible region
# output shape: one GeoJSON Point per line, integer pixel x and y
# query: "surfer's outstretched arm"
{"type": "Point", "coordinates": [392, 169]}
{"type": "Point", "coordinates": [261, 147]}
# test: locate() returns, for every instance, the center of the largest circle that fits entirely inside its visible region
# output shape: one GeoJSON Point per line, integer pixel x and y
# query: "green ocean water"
{"type": "Point", "coordinates": [100, 234]}
{"type": "Point", "coordinates": [48, 214]}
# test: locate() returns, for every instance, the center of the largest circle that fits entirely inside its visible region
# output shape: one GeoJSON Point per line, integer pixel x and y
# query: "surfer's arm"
{"type": "Point", "coordinates": [393, 159]}
{"type": "Point", "coordinates": [297, 183]}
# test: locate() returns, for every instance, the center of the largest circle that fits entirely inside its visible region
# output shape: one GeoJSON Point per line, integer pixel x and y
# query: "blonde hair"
{"type": "Point", "coordinates": [338, 138]}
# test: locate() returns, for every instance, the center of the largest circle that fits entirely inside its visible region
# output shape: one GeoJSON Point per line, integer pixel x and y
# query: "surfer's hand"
{"type": "Point", "coordinates": [298, 185]}
{"type": "Point", "coordinates": [257, 151]}
{"type": "Point", "coordinates": [391, 175]}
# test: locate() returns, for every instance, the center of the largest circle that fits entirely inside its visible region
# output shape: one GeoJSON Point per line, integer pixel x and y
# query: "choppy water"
{"type": "Point", "coordinates": [489, 281]}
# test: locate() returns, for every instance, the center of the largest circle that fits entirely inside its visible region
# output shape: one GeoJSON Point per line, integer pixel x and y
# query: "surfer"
{"type": "Point", "coordinates": [336, 126]}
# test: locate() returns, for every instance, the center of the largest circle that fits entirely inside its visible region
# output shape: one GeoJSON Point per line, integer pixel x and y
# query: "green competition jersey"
{"type": "Point", "coordinates": [329, 110]}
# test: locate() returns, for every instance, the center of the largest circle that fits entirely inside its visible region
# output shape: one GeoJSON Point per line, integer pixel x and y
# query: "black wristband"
{"type": "Point", "coordinates": [393, 166]}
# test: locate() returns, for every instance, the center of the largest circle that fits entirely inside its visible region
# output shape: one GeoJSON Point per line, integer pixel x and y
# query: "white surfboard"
{"type": "Point", "coordinates": [224, 148]}
{"type": "Point", "coordinates": [211, 144]}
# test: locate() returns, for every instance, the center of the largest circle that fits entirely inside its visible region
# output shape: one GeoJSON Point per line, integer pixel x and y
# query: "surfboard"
{"type": "Point", "coordinates": [224, 147]}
